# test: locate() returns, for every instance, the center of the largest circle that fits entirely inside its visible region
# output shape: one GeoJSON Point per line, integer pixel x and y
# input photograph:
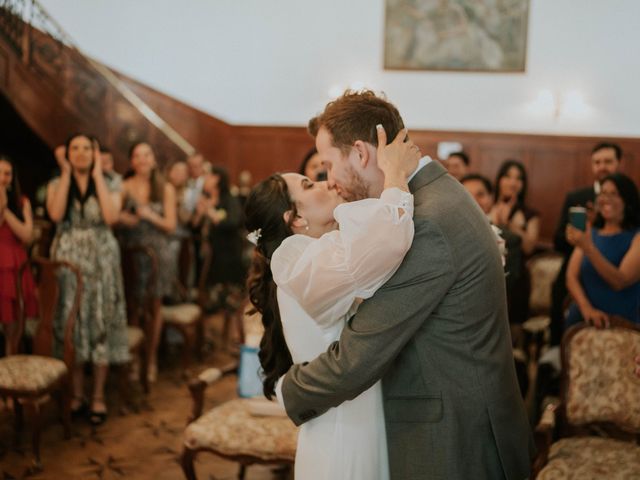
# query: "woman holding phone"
{"type": "Point", "coordinates": [84, 206]}
{"type": "Point", "coordinates": [603, 275]}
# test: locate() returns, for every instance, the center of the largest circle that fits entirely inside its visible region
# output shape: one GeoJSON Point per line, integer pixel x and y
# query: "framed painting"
{"type": "Point", "coordinates": [456, 35]}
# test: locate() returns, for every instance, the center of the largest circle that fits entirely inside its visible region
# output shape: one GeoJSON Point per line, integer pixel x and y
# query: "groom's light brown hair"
{"type": "Point", "coordinates": [354, 116]}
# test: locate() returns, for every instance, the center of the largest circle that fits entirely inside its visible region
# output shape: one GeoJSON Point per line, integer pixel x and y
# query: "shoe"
{"type": "Point", "coordinates": [97, 418]}
{"type": "Point", "coordinates": [81, 410]}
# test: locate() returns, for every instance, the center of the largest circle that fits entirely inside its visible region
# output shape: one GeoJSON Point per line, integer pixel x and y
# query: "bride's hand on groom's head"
{"type": "Point", "coordinates": [400, 157]}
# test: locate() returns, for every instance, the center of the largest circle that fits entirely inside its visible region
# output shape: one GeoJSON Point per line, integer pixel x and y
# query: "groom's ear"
{"type": "Point", "coordinates": [363, 153]}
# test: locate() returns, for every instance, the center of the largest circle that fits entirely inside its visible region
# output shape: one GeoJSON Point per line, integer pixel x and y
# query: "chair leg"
{"type": "Point", "coordinates": [242, 472]}
{"type": "Point", "coordinates": [189, 335]}
{"type": "Point", "coordinates": [124, 382]}
{"type": "Point", "coordinates": [37, 427]}
{"type": "Point", "coordinates": [199, 343]}
{"type": "Point", "coordinates": [66, 395]}
{"type": "Point", "coordinates": [144, 368]}
{"type": "Point", "coordinates": [18, 421]}
{"type": "Point", "coordinates": [187, 460]}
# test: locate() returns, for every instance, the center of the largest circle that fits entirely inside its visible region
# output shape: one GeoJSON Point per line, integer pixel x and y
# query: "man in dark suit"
{"type": "Point", "coordinates": [436, 333]}
{"type": "Point", "coordinates": [605, 160]}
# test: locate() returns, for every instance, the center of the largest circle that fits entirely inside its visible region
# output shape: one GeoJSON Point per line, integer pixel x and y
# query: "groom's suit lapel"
{"type": "Point", "coordinates": [429, 173]}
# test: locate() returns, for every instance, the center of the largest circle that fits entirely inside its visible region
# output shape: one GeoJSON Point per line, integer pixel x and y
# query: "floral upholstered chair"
{"type": "Point", "coordinates": [543, 270]}
{"type": "Point", "coordinates": [245, 430]}
{"type": "Point", "coordinates": [30, 380]}
{"type": "Point", "coordinates": [599, 414]}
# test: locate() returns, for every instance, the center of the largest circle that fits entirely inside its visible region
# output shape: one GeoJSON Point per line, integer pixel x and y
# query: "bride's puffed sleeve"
{"type": "Point", "coordinates": [326, 275]}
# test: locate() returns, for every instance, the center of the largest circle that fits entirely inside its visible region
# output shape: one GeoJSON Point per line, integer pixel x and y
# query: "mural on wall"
{"type": "Point", "coordinates": [464, 35]}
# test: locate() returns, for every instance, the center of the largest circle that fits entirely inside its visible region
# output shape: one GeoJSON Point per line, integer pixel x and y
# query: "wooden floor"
{"type": "Point", "coordinates": [130, 445]}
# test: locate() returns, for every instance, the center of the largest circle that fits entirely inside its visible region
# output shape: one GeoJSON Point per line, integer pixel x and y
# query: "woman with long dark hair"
{"type": "Point", "coordinates": [308, 276]}
{"type": "Point", "coordinates": [512, 213]}
{"type": "Point", "coordinates": [84, 206]}
{"type": "Point", "coordinates": [148, 218]}
{"type": "Point", "coordinates": [603, 275]}
{"type": "Point", "coordinates": [16, 232]}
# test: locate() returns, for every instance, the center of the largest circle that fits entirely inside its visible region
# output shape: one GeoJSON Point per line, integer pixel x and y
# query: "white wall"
{"type": "Point", "coordinates": [274, 62]}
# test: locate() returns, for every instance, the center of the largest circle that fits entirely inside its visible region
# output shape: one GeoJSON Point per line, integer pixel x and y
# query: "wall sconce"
{"type": "Point", "coordinates": [569, 105]}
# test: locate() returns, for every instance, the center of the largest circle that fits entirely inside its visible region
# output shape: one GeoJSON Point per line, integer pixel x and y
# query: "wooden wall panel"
{"type": "Point", "coordinates": [556, 164]}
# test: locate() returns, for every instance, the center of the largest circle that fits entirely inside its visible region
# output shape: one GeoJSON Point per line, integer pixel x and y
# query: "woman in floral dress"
{"type": "Point", "coordinates": [83, 206]}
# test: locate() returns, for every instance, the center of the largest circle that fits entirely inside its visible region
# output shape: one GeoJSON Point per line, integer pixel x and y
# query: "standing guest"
{"type": "Point", "coordinates": [148, 218]}
{"type": "Point", "coordinates": [458, 164]}
{"type": "Point", "coordinates": [178, 175]}
{"type": "Point", "coordinates": [108, 170]}
{"type": "Point", "coordinates": [311, 166]}
{"type": "Point", "coordinates": [605, 160]}
{"type": "Point", "coordinates": [16, 232]}
{"type": "Point", "coordinates": [220, 220]}
{"type": "Point", "coordinates": [83, 206]}
{"type": "Point", "coordinates": [603, 275]}
{"type": "Point", "coordinates": [197, 173]}
{"type": "Point", "coordinates": [511, 212]}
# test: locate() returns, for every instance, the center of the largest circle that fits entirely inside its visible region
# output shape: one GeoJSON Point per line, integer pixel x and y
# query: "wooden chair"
{"type": "Point", "coordinates": [187, 317]}
{"type": "Point", "coordinates": [543, 269]}
{"type": "Point", "coordinates": [598, 416]}
{"type": "Point", "coordinates": [140, 309]}
{"type": "Point", "coordinates": [30, 379]}
{"type": "Point", "coordinates": [246, 431]}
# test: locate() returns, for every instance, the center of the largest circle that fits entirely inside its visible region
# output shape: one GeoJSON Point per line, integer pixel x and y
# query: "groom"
{"type": "Point", "coordinates": [436, 333]}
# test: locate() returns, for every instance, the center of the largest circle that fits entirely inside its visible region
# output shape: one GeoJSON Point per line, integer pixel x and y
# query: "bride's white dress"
{"type": "Point", "coordinates": [320, 282]}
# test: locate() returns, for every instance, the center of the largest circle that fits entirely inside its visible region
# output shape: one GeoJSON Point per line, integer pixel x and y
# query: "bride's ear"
{"type": "Point", "coordinates": [297, 222]}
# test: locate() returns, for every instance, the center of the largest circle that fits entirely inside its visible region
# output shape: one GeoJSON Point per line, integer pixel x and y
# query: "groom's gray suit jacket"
{"type": "Point", "coordinates": [438, 336]}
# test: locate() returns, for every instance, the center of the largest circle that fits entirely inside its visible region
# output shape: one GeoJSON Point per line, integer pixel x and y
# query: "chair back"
{"type": "Point", "coordinates": [139, 288]}
{"type": "Point", "coordinates": [600, 388]}
{"type": "Point", "coordinates": [543, 270]}
{"type": "Point", "coordinates": [48, 274]}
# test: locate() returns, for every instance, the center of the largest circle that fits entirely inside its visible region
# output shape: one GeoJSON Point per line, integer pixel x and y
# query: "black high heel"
{"type": "Point", "coordinates": [97, 418]}
{"type": "Point", "coordinates": [81, 410]}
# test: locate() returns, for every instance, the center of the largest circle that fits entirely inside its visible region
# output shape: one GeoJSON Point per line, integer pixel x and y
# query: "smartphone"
{"type": "Point", "coordinates": [578, 217]}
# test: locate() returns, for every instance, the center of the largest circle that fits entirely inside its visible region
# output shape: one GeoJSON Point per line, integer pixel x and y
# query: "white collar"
{"type": "Point", "coordinates": [421, 164]}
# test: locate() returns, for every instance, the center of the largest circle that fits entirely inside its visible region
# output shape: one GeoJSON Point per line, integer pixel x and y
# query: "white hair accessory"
{"type": "Point", "coordinates": [254, 236]}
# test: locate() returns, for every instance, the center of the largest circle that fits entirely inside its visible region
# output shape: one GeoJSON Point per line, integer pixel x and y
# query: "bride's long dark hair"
{"type": "Point", "coordinates": [264, 210]}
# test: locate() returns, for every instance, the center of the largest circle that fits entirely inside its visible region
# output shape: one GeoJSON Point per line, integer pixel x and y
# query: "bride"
{"type": "Point", "coordinates": [316, 258]}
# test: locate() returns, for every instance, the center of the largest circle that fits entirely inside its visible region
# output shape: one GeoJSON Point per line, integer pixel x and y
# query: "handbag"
{"type": "Point", "coordinates": [249, 373]}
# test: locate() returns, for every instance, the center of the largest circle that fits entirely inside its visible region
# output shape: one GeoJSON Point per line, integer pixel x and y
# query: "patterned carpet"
{"type": "Point", "coordinates": [142, 444]}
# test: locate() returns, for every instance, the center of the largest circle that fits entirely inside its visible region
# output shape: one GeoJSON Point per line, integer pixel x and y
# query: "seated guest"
{"type": "Point", "coordinates": [220, 220]}
{"type": "Point", "coordinates": [458, 164]}
{"type": "Point", "coordinates": [605, 160]}
{"type": "Point", "coordinates": [148, 218]}
{"type": "Point", "coordinates": [83, 206]}
{"type": "Point", "coordinates": [603, 275]}
{"type": "Point", "coordinates": [311, 166]}
{"type": "Point", "coordinates": [16, 232]}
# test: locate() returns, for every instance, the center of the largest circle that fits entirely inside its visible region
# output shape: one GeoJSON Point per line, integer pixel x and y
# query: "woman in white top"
{"type": "Point", "coordinates": [315, 259]}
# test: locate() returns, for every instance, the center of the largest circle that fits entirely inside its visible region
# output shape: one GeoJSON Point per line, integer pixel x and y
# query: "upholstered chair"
{"type": "Point", "coordinates": [598, 417]}
{"type": "Point", "coordinates": [30, 380]}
